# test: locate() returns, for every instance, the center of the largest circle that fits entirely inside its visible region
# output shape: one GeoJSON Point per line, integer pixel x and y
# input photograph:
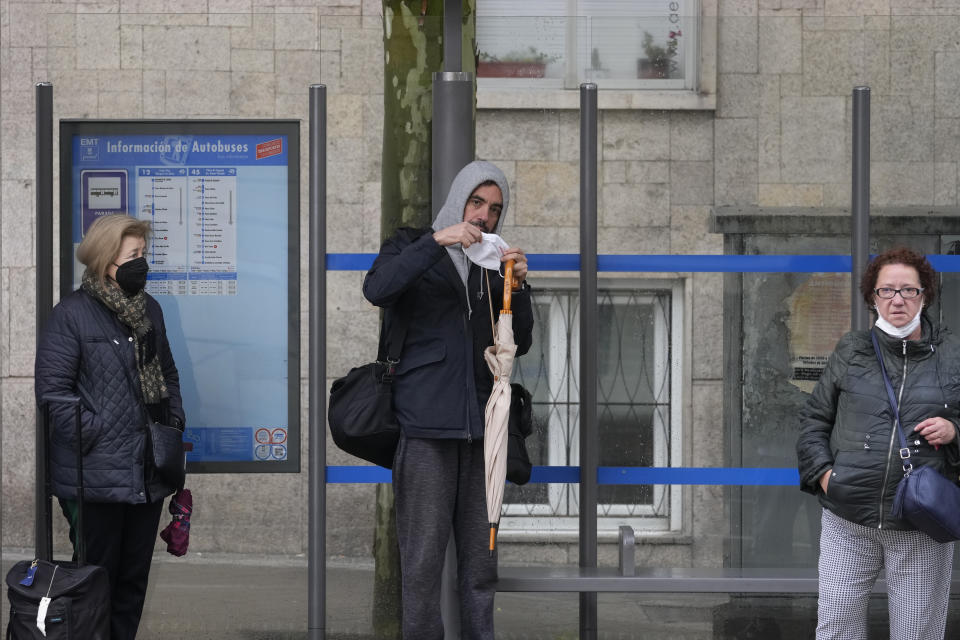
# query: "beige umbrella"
{"type": "Point", "coordinates": [499, 358]}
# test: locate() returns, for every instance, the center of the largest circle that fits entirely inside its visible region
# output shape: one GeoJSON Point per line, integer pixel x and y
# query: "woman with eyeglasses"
{"type": "Point", "coordinates": [849, 455]}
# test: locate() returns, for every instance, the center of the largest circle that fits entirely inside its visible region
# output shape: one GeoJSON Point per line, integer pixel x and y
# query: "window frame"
{"type": "Point", "coordinates": [700, 67]}
{"type": "Point", "coordinates": [535, 520]}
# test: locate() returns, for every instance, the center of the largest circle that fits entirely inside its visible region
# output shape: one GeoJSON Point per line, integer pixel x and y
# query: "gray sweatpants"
{"type": "Point", "coordinates": [438, 484]}
{"type": "Point", "coordinates": [918, 580]}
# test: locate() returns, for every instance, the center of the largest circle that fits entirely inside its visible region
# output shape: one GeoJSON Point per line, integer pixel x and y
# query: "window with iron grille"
{"type": "Point", "coordinates": [638, 405]}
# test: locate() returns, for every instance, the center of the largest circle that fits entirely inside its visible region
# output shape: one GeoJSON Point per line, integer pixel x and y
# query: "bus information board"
{"type": "Point", "coordinates": [222, 199]}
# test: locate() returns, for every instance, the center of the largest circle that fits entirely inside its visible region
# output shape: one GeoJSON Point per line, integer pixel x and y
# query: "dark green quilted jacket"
{"type": "Point", "coordinates": [848, 425]}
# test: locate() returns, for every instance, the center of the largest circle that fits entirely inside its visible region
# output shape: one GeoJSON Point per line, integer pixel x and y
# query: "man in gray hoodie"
{"type": "Point", "coordinates": [442, 383]}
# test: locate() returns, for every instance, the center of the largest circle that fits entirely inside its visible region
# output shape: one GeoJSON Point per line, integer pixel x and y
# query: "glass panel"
{"type": "Point", "coordinates": [723, 617]}
{"type": "Point", "coordinates": [787, 337]}
{"type": "Point", "coordinates": [618, 44]}
{"type": "Point", "coordinates": [620, 47]}
{"type": "Point", "coordinates": [634, 400]}
{"type": "Point", "coordinates": [499, 56]}
{"type": "Point", "coordinates": [633, 390]}
{"type": "Point", "coordinates": [714, 616]}
{"type": "Point", "coordinates": [777, 145]}
{"type": "Point", "coordinates": [536, 615]}
{"type": "Point", "coordinates": [791, 322]}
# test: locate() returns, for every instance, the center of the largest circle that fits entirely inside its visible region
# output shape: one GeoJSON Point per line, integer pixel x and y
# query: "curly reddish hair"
{"type": "Point", "coordinates": [904, 256]}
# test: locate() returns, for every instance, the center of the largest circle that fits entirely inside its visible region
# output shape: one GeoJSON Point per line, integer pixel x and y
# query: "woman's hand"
{"type": "Point", "coordinates": [936, 431]}
{"type": "Point", "coordinates": [825, 479]}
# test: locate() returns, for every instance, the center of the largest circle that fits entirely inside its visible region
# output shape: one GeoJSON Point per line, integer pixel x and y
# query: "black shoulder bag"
{"type": "Point", "coordinates": [519, 427]}
{"type": "Point", "coordinates": [361, 416]}
{"type": "Point", "coordinates": [924, 498]}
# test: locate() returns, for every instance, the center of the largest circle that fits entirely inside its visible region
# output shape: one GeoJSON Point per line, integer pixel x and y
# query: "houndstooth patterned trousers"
{"type": "Point", "coordinates": [918, 580]}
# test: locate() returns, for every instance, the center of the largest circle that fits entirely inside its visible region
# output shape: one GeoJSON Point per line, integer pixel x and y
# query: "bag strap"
{"type": "Point", "coordinates": [401, 322]}
{"type": "Point", "coordinates": [493, 328]}
{"type": "Point", "coordinates": [398, 333]}
{"type": "Point", "coordinates": [904, 447]}
{"type": "Point", "coordinates": [47, 400]}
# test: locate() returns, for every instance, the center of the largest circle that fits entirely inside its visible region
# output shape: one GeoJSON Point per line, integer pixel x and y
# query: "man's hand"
{"type": "Point", "coordinates": [462, 232]}
{"type": "Point", "coordinates": [519, 264]}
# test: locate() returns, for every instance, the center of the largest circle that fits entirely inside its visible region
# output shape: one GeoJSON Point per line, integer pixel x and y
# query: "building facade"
{"type": "Point", "coordinates": [750, 115]}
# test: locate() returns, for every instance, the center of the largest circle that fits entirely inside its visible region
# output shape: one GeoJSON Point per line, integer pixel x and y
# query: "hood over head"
{"type": "Point", "coordinates": [469, 178]}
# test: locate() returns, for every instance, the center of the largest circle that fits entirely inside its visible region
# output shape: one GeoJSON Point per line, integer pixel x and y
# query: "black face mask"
{"type": "Point", "coordinates": [132, 275]}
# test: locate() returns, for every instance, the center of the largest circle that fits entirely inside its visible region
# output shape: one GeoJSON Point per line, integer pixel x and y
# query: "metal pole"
{"type": "Point", "coordinates": [453, 146]}
{"type": "Point", "coordinates": [317, 554]}
{"type": "Point", "coordinates": [453, 133]}
{"type": "Point", "coordinates": [589, 325]}
{"type": "Point", "coordinates": [44, 303]}
{"type": "Point", "coordinates": [860, 206]}
{"type": "Point", "coordinates": [452, 35]}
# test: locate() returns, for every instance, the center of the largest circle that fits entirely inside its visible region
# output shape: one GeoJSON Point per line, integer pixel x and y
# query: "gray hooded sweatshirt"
{"type": "Point", "coordinates": [469, 178]}
{"type": "Point", "coordinates": [442, 382]}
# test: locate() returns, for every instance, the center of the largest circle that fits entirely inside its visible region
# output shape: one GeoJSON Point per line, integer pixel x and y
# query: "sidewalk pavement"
{"type": "Point", "coordinates": [244, 597]}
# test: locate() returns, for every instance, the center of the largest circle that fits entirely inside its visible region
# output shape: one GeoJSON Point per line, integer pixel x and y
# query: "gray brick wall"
{"type": "Point", "coordinates": [779, 137]}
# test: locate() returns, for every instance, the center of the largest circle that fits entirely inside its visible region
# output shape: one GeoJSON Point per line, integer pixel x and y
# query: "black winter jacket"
{"type": "Point", "coordinates": [83, 351]}
{"type": "Point", "coordinates": [849, 426]}
{"type": "Point", "coordinates": [442, 382]}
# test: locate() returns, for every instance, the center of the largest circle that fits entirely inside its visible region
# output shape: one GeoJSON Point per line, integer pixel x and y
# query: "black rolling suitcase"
{"type": "Point", "coordinates": [53, 600]}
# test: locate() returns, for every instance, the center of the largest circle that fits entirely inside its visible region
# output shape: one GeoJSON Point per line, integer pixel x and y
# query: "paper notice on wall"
{"type": "Point", "coordinates": [819, 316]}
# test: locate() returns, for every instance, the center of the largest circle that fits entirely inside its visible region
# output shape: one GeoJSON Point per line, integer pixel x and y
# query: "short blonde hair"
{"type": "Point", "coordinates": [101, 243]}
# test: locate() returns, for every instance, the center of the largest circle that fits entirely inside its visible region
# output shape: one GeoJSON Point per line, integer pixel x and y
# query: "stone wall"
{"type": "Point", "coordinates": [778, 137]}
{"type": "Point", "coordinates": [218, 59]}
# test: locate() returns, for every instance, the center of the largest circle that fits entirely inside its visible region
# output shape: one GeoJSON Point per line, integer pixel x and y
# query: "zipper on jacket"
{"type": "Point", "coordinates": [893, 435]}
{"type": "Point", "coordinates": [466, 407]}
{"type": "Point", "coordinates": [466, 415]}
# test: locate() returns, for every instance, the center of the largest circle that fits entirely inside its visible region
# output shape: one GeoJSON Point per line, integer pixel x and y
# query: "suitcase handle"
{"type": "Point", "coordinates": [60, 398]}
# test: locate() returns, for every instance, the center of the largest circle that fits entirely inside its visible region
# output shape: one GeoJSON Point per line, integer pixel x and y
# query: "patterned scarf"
{"type": "Point", "coordinates": [132, 312]}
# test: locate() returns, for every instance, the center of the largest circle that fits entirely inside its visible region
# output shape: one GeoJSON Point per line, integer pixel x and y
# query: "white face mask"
{"type": "Point", "coordinates": [901, 332]}
{"type": "Point", "coordinates": [487, 252]}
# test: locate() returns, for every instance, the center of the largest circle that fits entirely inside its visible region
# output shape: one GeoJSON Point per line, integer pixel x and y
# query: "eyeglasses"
{"type": "Point", "coordinates": [907, 293]}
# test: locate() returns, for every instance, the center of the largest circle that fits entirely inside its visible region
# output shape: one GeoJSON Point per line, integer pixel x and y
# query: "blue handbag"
{"type": "Point", "coordinates": [924, 498]}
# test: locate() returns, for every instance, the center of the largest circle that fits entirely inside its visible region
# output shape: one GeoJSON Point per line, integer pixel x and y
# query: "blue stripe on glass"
{"type": "Point", "coordinates": [670, 264]}
{"type": "Point", "coordinates": [733, 476]}
{"type": "Point", "coordinates": [350, 261]}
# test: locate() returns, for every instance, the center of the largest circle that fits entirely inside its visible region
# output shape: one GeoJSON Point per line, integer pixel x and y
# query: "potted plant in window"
{"type": "Point", "coordinates": [518, 63]}
{"type": "Point", "coordinates": [596, 70]}
{"type": "Point", "coordinates": [659, 61]}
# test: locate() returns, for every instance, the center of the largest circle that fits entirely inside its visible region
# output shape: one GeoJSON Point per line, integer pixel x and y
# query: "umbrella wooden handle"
{"type": "Point", "coordinates": [507, 284]}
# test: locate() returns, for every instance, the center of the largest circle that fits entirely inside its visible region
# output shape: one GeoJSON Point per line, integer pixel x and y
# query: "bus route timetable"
{"type": "Point", "coordinates": [193, 213]}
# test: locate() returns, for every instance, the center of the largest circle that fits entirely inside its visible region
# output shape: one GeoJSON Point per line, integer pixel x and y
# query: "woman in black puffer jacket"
{"type": "Point", "coordinates": [848, 453]}
{"type": "Point", "coordinates": [107, 344]}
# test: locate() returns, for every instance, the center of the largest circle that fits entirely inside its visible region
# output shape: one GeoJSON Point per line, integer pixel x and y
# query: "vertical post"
{"type": "Point", "coordinates": [452, 34]}
{"type": "Point", "coordinates": [317, 543]}
{"type": "Point", "coordinates": [453, 146]}
{"type": "Point", "coordinates": [453, 135]}
{"type": "Point", "coordinates": [628, 551]}
{"type": "Point", "coordinates": [589, 325]}
{"type": "Point", "coordinates": [860, 206]}
{"type": "Point", "coordinates": [44, 302]}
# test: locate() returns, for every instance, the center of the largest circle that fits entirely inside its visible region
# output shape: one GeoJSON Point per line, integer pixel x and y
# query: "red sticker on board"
{"type": "Point", "coordinates": [269, 148]}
